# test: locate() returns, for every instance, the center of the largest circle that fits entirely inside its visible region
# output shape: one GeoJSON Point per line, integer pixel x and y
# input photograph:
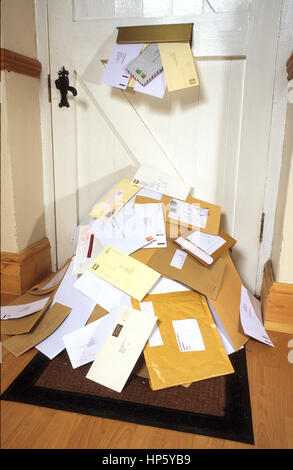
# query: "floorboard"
{"type": "Point", "coordinates": [271, 389]}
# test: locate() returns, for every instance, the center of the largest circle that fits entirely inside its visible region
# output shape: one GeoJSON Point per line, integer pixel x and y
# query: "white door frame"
{"type": "Point", "coordinates": [274, 156]}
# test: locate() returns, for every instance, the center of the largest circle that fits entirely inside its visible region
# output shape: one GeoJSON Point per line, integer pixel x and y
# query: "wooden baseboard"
{"type": "Point", "coordinates": [20, 271]}
{"type": "Point", "coordinates": [277, 302]}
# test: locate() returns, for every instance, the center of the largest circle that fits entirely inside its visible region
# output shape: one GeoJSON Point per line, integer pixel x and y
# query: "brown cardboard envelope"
{"type": "Point", "coordinates": [213, 219]}
{"type": "Point", "coordinates": [227, 304]}
{"type": "Point", "coordinates": [191, 353]}
{"type": "Point", "coordinates": [174, 227]}
{"type": "Point", "coordinates": [206, 280]}
{"type": "Point", "coordinates": [49, 322]}
{"type": "Point", "coordinates": [21, 325]}
{"type": "Point", "coordinates": [229, 242]}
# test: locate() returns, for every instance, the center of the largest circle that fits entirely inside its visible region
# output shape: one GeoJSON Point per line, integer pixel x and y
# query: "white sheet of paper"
{"type": "Point", "coordinates": [227, 343]}
{"type": "Point", "coordinates": [165, 285]}
{"type": "Point", "coordinates": [83, 344]}
{"type": "Point", "coordinates": [81, 309]}
{"type": "Point", "coordinates": [188, 335]}
{"type": "Point", "coordinates": [155, 338]}
{"type": "Point", "coordinates": [251, 318]}
{"type": "Point", "coordinates": [122, 348]}
{"type": "Point", "coordinates": [9, 312]}
{"type": "Point", "coordinates": [152, 219]}
{"type": "Point", "coordinates": [206, 242]}
{"type": "Point", "coordinates": [156, 87]}
{"type": "Point", "coordinates": [158, 181]}
{"type": "Point", "coordinates": [191, 214]}
{"type": "Point", "coordinates": [194, 249]}
{"type": "Point", "coordinates": [101, 292]}
{"type": "Point", "coordinates": [115, 74]}
{"type": "Point", "coordinates": [178, 259]}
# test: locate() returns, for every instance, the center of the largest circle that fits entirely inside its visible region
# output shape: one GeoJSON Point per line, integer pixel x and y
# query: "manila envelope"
{"type": "Point", "coordinates": [21, 325]}
{"type": "Point", "coordinates": [51, 283]}
{"type": "Point", "coordinates": [229, 242]}
{"type": "Point", "coordinates": [122, 349]}
{"type": "Point", "coordinates": [213, 219]}
{"type": "Point", "coordinates": [227, 304]}
{"type": "Point", "coordinates": [192, 349]}
{"type": "Point", "coordinates": [114, 200]}
{"type": "Point", "coordinates": [175, 227]}
{"type": "Point", "coordinates": [124, 272]}
{"type": "Point", "coordinates": [49, 322]}
{"type": "Point", "coordinates": [178, 65]}
{"type": "Point", "coordinates": [204, 279]}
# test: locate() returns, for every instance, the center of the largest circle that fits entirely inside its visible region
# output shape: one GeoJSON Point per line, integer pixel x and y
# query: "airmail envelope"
{"type": "Point", "coordinates": [122, 348]}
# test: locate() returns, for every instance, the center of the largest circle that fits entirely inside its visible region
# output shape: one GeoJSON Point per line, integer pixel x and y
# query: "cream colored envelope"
{"type": "Point", "coordinates": [124, 272]}
{"type": "Point", "coordinates": [122, 349]}
{"type": "Point", "coordinates": [114, 201]}
{"type": "Point", "coordinates": [178, 65]}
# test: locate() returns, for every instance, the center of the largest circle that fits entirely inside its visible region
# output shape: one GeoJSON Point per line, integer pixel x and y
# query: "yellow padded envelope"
{"type": "Point", "coordinates": [192, 349]}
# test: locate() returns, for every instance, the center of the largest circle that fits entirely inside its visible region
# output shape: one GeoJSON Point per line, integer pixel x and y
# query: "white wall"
{"type": "Point", "coordinates": [22, 208]}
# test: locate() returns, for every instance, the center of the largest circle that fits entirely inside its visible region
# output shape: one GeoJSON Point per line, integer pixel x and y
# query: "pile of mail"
{"type": "Point", "coordinates": [151, 68]}
{"type": "Point", "coordinates": [150, 289]}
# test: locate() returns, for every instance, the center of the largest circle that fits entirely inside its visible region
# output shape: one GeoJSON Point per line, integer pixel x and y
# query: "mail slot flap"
{"type": "Point", "coordinates": [155, 33]}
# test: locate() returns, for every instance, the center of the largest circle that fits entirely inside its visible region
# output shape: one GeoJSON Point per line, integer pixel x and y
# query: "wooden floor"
{"type": "Point", "coordinates": [271, 389]}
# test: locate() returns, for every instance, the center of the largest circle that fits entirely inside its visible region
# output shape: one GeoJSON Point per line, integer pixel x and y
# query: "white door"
{"type": "Point", "coordinates": [215, 136]}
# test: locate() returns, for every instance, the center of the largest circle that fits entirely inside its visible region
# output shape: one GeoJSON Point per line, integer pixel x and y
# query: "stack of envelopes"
{"type": "Point", "coordinates": [151, 276]}
{"type": "Point", "coordinates": [151, 68]}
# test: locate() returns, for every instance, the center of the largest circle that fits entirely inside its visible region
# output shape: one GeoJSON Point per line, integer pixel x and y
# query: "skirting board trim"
{"type": "Point", "coordinates": [20, 271]}
{"type": "Point", "coordinates": [277, 302]}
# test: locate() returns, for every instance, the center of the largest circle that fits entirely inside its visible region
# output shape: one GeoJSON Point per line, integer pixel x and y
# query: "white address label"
{"type": "Point", "coordinates": [188, 335]}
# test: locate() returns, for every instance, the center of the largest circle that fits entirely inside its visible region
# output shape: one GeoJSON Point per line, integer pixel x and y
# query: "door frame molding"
{"type": "Point", "coordinates": [274, 153]}
{"type": "Point", "coordinates": [43, 51]}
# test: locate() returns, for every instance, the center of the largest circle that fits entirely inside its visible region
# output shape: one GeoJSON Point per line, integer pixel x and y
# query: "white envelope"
{"type": "Point", "coordinates": [115, 74]}
{"type": "Point", "coordinates": [152, 218]}
{"type": "Point", "coordinates": [83, 344]}
{"type": "Point", "coordinates": [251, 318]}
{"type": "Point", "coordinates": [81, 309]}
{"type": "Point", "coordinates": [122, 348]}
{"type": "Point", "coordinates": [101, 292]}
{"type": "Point", "coordinates": [155, 180]}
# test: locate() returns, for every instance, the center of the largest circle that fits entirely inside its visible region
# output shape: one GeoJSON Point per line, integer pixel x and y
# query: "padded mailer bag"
{"type": "Point", "coordinates": [188, 347]}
